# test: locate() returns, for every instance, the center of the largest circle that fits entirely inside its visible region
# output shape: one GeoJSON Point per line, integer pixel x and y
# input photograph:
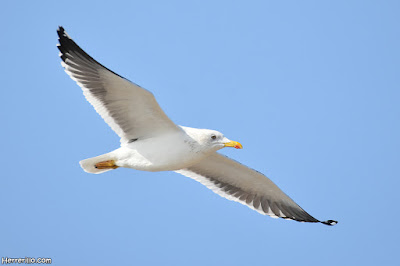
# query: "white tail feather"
{"type": "Point", "coordinates": [89, 164]}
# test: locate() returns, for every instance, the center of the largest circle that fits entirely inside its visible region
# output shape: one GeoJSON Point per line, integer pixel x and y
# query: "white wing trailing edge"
{"type": "Point", "coordinates": [131, 111]}
{"type": "Point", "coordinates": [237, 182]}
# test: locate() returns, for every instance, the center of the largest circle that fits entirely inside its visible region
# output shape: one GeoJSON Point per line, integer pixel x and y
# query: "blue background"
{"type": "Point", "coordinates": [310, 88]}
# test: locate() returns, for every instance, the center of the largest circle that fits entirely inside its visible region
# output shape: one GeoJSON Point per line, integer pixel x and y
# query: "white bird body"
{"type": "Point", "coordinates": [150, 141]}
{"type": "Point", "coordinates": [167, 152]}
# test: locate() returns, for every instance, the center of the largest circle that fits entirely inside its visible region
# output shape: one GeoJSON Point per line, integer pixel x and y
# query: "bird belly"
{"type": "Point", "coordinates": [157, 156]}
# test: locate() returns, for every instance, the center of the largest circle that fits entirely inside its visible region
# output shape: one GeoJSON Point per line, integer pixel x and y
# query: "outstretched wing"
{"type": "Point", "coordinates": [131, 111]}
{"type": "Point", "coordinates": [237, 182]}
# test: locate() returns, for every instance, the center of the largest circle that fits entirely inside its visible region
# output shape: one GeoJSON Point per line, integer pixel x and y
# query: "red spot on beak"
{"type": "Point", "coordinates": [238, 145]}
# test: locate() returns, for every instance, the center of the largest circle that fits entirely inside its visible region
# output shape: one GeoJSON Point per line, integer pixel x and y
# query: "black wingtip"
{"type": "Point", "coordinates": [330, 222]}
{"type": "Point", "coordinates": [60, 32]}
{"type": "Point", "coordinates": [66, 45]}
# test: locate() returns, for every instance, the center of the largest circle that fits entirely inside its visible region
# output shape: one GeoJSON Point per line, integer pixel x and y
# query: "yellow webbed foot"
{"type": "Point", "coordinates": [106, 165]}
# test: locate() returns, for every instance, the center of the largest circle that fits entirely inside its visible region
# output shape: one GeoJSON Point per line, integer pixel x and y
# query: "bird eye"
{"type": "Point", "coordinates": [213, 137]}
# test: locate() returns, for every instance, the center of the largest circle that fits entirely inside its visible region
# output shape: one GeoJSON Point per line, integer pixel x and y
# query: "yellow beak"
{"type": "Point", "coordinates": [233, 144]}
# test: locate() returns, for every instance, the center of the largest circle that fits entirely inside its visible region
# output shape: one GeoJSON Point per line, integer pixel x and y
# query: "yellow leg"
{"type": "Point", "coordinates": [106, 165]}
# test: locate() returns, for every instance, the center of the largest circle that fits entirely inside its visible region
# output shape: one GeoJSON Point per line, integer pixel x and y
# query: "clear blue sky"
{"type": "Point", "coordinates": [310, 89]}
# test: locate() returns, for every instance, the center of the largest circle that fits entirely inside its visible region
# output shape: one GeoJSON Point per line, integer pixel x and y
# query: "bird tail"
{"type": "Point", "coordinates": [98, 164]}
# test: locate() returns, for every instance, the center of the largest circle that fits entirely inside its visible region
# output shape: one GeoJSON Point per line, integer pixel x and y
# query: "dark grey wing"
{"type": "Point", "coordinates": [131, 111]}
{"type": "Point", "coordinates": [237, 182]}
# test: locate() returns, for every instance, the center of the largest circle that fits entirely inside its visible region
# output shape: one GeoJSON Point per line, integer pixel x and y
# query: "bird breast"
{"type": "Point", "coordinates": [166, 153]}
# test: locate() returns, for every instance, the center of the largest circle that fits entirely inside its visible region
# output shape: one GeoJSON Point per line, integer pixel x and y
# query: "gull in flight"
{"type": "Point", "coordinates": [150, 141]}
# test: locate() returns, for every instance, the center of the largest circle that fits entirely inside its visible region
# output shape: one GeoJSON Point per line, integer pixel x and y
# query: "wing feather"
{"type": "Point", "coordinates": [239, 183]}
{"type": "Point", "coordinates": [131, 111]}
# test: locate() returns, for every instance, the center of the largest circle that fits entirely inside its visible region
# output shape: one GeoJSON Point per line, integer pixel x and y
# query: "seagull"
{"type": "Point", "coordinates": [150, 141]}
